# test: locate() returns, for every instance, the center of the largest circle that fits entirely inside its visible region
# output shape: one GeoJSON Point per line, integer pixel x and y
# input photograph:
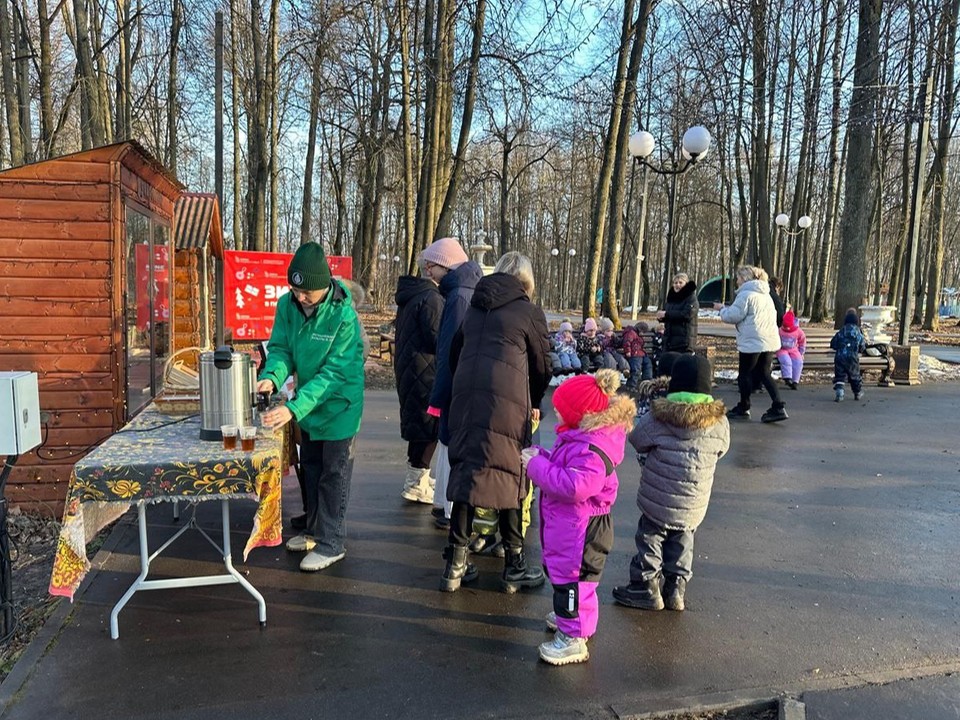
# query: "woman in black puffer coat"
{"type": "Point", "coordinates": [419, 305]}
{"type": "Point", "coordinates": [679, 315]}
{"type": "Point", "coordinates": [501, 372]}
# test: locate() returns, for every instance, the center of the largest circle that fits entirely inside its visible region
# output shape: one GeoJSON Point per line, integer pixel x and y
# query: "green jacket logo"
{"type": "Point", "coordinates": [321, 337]}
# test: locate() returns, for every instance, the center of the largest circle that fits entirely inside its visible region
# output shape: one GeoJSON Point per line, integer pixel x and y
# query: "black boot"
{"type": "Point", "coordinates": [776, 413]}
{"type": "Point", "coordinates": [517, 575]}
{"type": "Point", "coordinates": [643, 595]}
{"type": "Point", "coordinates": [458, 570]}
{"type": "Point", "coordinates": [673, 589]}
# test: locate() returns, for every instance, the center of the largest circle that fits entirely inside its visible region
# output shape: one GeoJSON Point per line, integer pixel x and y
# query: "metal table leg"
{"type": "Point", "coordinates": [141, 583]}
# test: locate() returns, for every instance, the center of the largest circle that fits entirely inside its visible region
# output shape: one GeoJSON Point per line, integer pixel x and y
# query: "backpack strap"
{"type": "Point", "coordinates": [607, 462]}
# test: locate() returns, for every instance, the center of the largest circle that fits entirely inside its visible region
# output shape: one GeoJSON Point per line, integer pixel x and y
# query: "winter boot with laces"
{"type": "Point", "coordinates": [643, 595]}
{"type": "Point", "coordinates": [776, 413]}
{"type": "Point", "coordinates": [838, 393]}
{"type": "Point", "coordinates": [673, 590]}
{"type": "Point", "coordinates": [517, 575]}
{"type": "Point", "coordinates": [458, 570]}
{"type": "Point", "coordinates": [417, 486]}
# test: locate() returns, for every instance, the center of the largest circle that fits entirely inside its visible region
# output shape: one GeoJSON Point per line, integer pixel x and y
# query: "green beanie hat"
{"type": "Point", "coordinates": [309, 269]}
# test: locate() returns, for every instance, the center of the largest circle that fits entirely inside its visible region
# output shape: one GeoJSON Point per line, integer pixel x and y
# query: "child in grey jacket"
{"type": "Point", "coordinates": [678, 443]}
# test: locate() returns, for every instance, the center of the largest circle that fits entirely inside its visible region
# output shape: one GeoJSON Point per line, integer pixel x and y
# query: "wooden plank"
{"type": "Point", "coordinates": [60, 170]}
{"type": "Point", "coordinates": [75, 211]}
{"type": "Point", "coordinates": [100, 419]}
{"type": "Point", "coordinates": [75, 343]}
{"type": "Point", "coordinates": [79, 289]}
{"type": "Point", "coordinates": [37, 231]}
{"type": "Point", "coordinates": [65, 400]}
{"type": "Point", "coordinates": [57, 363]}
{"type": "Point", "coordinates": [56, 326]}
{"type": "Point", "coordinates": [32, 268]}
{"type": "Point", "coordinates": [64, 191]}
{"type": "Point", "coordinates": [69, 381]}
{"type": "Point", "coordinates": [26, 306]}
{"type": "Point", "coordinates": [61, 441]}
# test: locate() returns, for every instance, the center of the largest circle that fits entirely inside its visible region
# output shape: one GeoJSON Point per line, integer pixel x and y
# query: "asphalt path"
{"type": "Point", "coordinates": [828, 557]}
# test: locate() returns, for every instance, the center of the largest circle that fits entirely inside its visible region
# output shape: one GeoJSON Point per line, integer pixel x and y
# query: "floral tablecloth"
{"type": "Point", "coordinates": [155, 458]}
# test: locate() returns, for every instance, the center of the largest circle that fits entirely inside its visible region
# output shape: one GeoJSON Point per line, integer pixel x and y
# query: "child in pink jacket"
{"type": "Point", "coordinates": [793, 344]}
{"type": "Point", "coordinates": [578, 486]}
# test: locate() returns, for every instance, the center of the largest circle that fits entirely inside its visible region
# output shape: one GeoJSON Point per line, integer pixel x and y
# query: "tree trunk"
{"type": "Point", "coordinates": [941, 165]}
{"type": "Point", "coordinates": [761, 243]}
{"type": "Point", "coordinates": [858, 189]}
{"type": "Point", "coordinates": [621, 160]}
{"type": "Point", "coordinates": [602, 193]}
{"type": "Point", "coordinates": [173, 105]}
{"type": "Point", "coordinates": [274, 110]}
{"type": "Point", "coordinates": [306, 205]}
{"type": "Point", "coordinates": [9, 87]}
{"type": "Point", "coordinates": [818, 304]}
{"type": "Point", "coordinates": [466, 121]}
{"type": "Point", "coordinates": [46, 92]}
{"type": "Point", "coordinates": [237, 224]}
{"type": "Point", "coordinates": [408, 257]}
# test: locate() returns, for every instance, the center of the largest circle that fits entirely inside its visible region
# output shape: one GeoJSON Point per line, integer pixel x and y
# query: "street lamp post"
{"type": "Point", "coordinates": [571, 253]}
{"type": "Point", "coordinates": [783, 222]}
{"type": "Point", "coordinates": [554, 252]}
{"type": "Point", "coordinates": [694, 145]}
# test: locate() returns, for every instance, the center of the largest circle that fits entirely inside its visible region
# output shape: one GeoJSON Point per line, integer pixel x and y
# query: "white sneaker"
{"type": "Point", "coordinates": [417, 486]}
{"type": "Point", "coordinates": [563, 650]}
{"type": "Point", "coordinates": [301, 543]}
{"type": "Point", "coordinates": [314, 561]}
{"type": "Point", "coordinates": [551, 619]}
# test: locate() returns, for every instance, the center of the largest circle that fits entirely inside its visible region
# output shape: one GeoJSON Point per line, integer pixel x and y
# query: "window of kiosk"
{"type": "Point", "coordinates": [147, 307]}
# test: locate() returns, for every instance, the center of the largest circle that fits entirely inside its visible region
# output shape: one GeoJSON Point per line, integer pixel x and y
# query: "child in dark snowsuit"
{"type": "Point", "coordinates": [848, 345]}
{"type": "Point", "coordinates": [578, 486]}
{"type": "Point", "coordinates": [679, 443]}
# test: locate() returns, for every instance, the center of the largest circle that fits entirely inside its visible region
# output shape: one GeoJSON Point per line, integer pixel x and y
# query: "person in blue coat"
{"type": "Point", "coordinates": [445, 262]}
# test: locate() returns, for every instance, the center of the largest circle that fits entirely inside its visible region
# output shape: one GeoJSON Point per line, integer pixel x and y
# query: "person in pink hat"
{"type": "Point", "coordinates": [445, 262]}
{"type": "Point", "coordinates": [588, 346]}
{"type": "Point", "coordinates": [578, 486]}
{"type": "Point", "coordinates": [793, 345]}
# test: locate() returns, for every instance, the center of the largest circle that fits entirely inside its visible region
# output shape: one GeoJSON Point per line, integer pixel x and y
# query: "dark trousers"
{"type": "Point", "coordinates": [661, 552]}
{"type": "Point", "coordinates": [327, 467]}
{"type": "Point", "coordinates": [419, 454]}
{"type": "Point", "coordinates": [510, 525]}
{"type": "Point", "coordinates": [759, 363]}
{"type": "Point", "coordinates": [846, 368]}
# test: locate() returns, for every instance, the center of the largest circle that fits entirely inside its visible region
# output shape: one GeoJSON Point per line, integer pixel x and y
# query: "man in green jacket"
{"type": "Point", "coordinates": [317, 337]}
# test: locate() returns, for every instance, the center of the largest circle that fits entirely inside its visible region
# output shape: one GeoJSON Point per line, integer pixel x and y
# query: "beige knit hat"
{"type": "Point", "coordinates": [446, 252]}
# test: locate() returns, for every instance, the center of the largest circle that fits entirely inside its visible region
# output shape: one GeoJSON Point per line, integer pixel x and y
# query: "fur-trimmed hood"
{"type": "Point", "coordinates": [652, 388]}
{"type": "Point", "coordinates": [692, 416]}
{"type": "Point", "coordinates": [620, 411]}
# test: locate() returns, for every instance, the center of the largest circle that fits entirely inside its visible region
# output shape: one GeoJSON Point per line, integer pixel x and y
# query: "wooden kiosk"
{"type": "Point", "coordinates": [86, 253]}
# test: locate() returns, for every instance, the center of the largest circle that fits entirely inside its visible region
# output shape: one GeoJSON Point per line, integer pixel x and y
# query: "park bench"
{"type": "Point", "coordinates": [819, 356]}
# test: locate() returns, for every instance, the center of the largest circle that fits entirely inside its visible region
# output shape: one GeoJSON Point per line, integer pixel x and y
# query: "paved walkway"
{"type": "Point", "coordinates": [828, 559]}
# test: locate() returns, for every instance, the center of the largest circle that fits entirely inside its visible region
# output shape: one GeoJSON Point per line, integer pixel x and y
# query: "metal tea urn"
{"type": "Point", "coordinates": [228, 390]}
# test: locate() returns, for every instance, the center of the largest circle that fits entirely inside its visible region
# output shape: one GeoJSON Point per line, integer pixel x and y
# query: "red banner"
{"type": "Point", "coordinates": [159, 292]}
{"type": "Point", "coordinates": [254, 282]}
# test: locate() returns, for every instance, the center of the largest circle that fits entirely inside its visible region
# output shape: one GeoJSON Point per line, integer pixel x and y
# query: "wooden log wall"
{"type": "Point", "coordinates": [187, 314]}
{"type": "Point", "coordinates": [56, 316]}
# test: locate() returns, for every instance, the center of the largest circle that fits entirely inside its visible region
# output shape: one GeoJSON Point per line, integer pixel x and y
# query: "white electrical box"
{"type": "Point", "coordinates": [19, 412]}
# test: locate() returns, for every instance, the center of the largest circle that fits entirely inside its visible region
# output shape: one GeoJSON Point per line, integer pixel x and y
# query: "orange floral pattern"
{"type": "Point", "coordinates": [157, 458]}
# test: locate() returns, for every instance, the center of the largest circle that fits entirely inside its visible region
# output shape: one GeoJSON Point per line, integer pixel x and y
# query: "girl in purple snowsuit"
{"type": "Point", "coordinates": [578, 486]}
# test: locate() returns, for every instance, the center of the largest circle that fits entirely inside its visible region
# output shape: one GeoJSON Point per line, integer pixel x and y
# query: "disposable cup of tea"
{"type": "Point", "coordinates": [248, 438]}
{"type": "Point", "coordinates": [229, 433]}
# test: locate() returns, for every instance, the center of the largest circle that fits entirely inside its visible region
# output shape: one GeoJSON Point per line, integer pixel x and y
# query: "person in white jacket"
{"type": "Point", "coordinates": [758, 339]}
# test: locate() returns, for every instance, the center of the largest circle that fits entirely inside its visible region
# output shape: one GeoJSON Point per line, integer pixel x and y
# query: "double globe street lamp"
{"type": "Point", "coordinates": [783, 222]}
{"type": "Point", "coordinates": [693, 147]}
